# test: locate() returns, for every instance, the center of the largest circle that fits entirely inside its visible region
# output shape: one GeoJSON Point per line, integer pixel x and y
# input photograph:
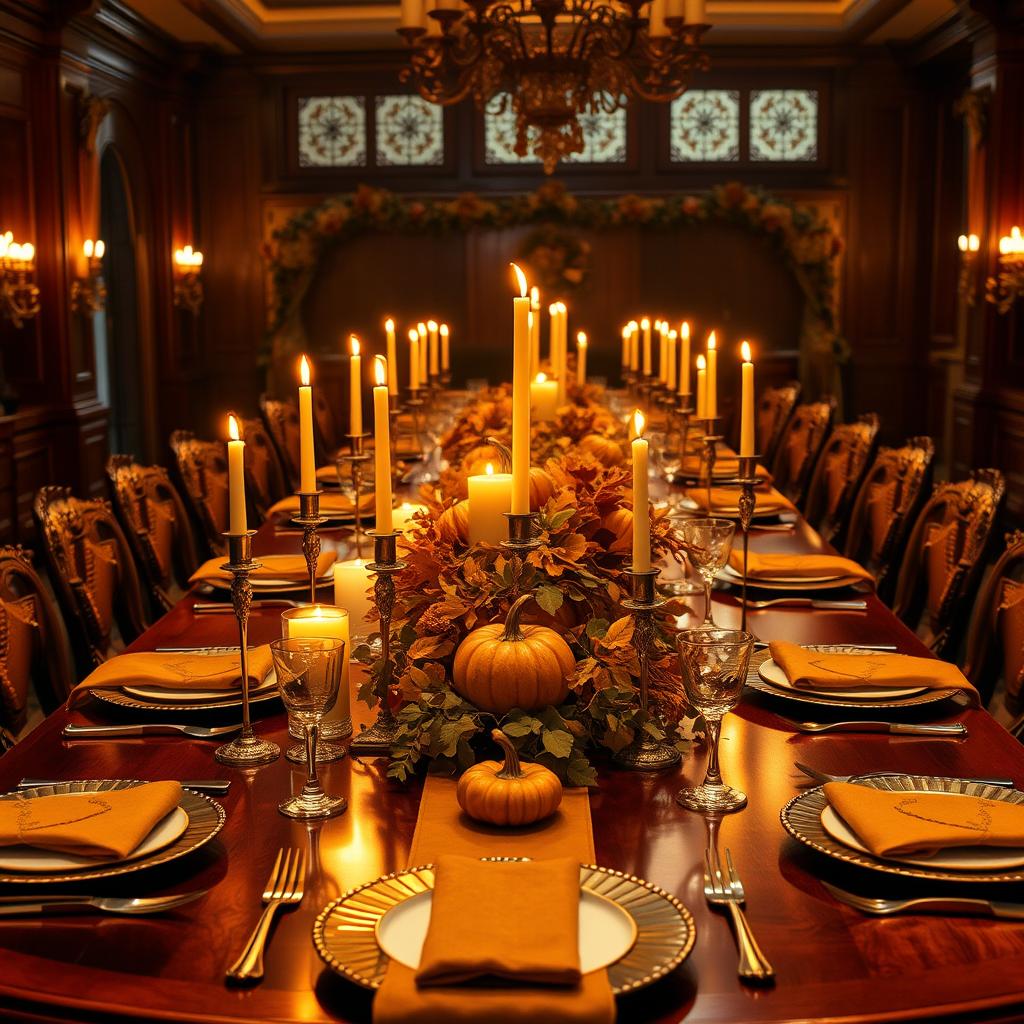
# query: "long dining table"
{"type": "Point", "coordinates": [832, 962]}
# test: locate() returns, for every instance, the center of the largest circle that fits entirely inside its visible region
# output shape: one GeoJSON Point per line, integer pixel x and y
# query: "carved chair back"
{"type": "Point", "coordinates": [774, 407]}
{"type": "Point", "coordinates": [282, 421]}
{"type": "Point", "coordinates": [799, 446]}
{"type": "Point", "coordinates": [264, 473]}
{"type": "Point", "coordinates": [203, 469]}
{"type": "Point", "coordinates": [329, 432]}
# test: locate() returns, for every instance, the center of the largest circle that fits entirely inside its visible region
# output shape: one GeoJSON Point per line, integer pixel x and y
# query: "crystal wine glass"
{"type": "Point", "coordinates": [708, 543]}
{"type": "Point", "coordinates": [713, 663]}
{"type": "Point", "coordinates": [308, 674]}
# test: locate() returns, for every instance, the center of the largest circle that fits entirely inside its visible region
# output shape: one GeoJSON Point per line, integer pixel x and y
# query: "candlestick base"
{"type": "Point", "coordinates": [747, 503]}
{"type": "Point", "coordinates": [710, 455]}
{"type": "Point", "coordinates": [521, 537]}
{"type": "Point", "coordinates": [357, 457]}
{"type": "Point", "coordinates": [378, 739]}
{"type": "Point", "coordinates": [645, 754]}
{"type": "Point", "coordinates": [310, 520]}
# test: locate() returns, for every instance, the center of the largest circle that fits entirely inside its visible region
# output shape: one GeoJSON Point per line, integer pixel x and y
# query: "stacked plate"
{"type": "Point", "coordinates": [193, 823]}
{"type": "Point", "coordinates": [788, 583]}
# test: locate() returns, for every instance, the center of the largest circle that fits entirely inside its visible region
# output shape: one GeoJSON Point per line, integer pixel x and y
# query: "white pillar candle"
{"type": "Point", "coordinates": [520, 397]}
{"type": "Point", "coordinates": [432, 333]}
{"type": "Point", "coordinates": [490, 497]}
{"type": "Point", "coordinates": [711, 403]}
{"type": "Point", "coordinates": [355, 408]}
{"type": "Point", "coordinates": [351, 583]}
{"type": "Point", "coordinates": [581, 358]}
{"type": "Point", "coordinates": [389, 328]}
{"type": "Point", "coordinates": [684, 358]}
{"type": "Point", "coordinates": [702, 387]}
{"type": "Point", "coordinates": [746, 402]}
{"type": "Point", "coordinates": [402, 518]}
{"type": "Point", "coordinates": [307, 460]}
{"type": "Point", "coordinates": [325, 622]}
{"type": "Point", "coordinates": [641, 513]}
{"type": "Point", "coordinates": [446, 364]}
{"type": "Point", "coordinates": [543, 398]}
{"type": "Point", "coordinates": [414, 359]}
{"type": "Point", "coordinates": [645, 326]}
{"type": "Point", "coordinates": [381, 448]}
{"type": "Point", "coordinates": [237, 523]}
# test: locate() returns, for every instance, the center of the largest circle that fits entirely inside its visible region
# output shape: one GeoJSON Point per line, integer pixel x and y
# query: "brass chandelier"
{"type": "Point", "coordinates": [552, 60]}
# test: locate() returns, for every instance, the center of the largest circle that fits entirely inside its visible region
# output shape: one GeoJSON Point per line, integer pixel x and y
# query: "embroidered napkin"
{"type": "Point", "coordinates": [772, 566]}
{"type": "Point", "coordinates": [816, 670]}
{"type": "Point", "coordinates": [101, 825]}
{"type": "Point", "coordinates": [895, 824]}
{"type": "Point", "coordinates": [272, 567]}
{"type": "Point", "coordinates": [175, 672]}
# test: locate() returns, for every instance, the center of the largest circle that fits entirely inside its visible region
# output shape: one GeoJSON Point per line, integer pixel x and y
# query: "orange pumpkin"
{"type": "Point", "coordinates": [509, 792]}
{"type": "Point", "coordinates": [619, 523]}
{"type": "Point", "coordinates": [499, 667]}
{"type": "Point", "coordinates": [453, 523]}
{"type": "Point", "coordinates": [604, 449]}
{"type": "Point", "coordinates": [476, 459]}
{"type": "Point", "coordinates": [561, 621]}
{"type": "Point", "coordinates": [542, 487]}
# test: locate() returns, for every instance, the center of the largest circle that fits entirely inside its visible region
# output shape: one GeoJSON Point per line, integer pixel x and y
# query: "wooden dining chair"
{"type": "Point", "coordinates": [281, 418]}
{"type": "Point", "coordinates": [837, 476]}
{"type": "Point", "coordinates": [265, 475]}
{"type": "Point", "coordinates": [994, 659]}
{"type": "Point", "coordinates": [203, 469]}
{"type": "Point", "coordinates": [330, 438]}
{"type": "Point", "coordinates": [774, 407]}
{"type": "Point", "coordinates": [944, 558]}
{"type": "Point", "coordinates": [92, 569]}
{"type": "Point", "coordinates": [157, 525]}
{"type": "Point", "coordinates": [799, 446]}
{"type": "Point", "coordinates": [887, 502]}
{"type": "Point", "coordinates": [36, 673]}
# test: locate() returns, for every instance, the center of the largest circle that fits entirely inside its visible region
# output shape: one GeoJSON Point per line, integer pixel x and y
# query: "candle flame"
{"type": "Point", "coordinates": [233, 428]}
{"type": "Point", "coordinates": [639, 423]}
{"type": "Point", "coordinates": [421, 327]}
{"type": "Point", "coordinates": [581, 339]}
{"type": "Point", "coordinates": [87, 248]}
{"type": "Point", "coordinates": [645, 324]}
{"type": "Point", "coordinates": [672, 334]}
{"type": "Point", "coordinates": [553, 309]}
{"type": "Point", "coordinates": [712, 342]}
{"type": "Point", "coordinates": [685, 329]}
{"type": "Point", "coordinates": [444, 330]}
{"type": "Point", "coordinates": [541, 377]}
{"type": "Point", "coordinates": [414, 335]}
{"type": "Point", "coordinates": [304, 372]}
{"type": "Point", "coordinates": [380, 370]}
{"type": "Point", "coordinates": [633, 325]}
{"type": "Point", "coordinates": [535, 297]}
{"type": "Point", "coordinates": [745, 351]}
{"type": "Point", "coordinates": [702, 363]}
{"type": "Point", "coordinates": [520, 280]}
{"type": "Point", "coordinates": [962, 243]}
{"type": "Point", "coordinates": [389, 325]}
{"type": "Point", "coordinates": [562, 307]}
{"type": "Point", "coordinates": [490, 469]}
{"type": "Point", "coordinates": [353, 344]}
{"type": "Point", "coordinates": [431, 325]}
{"type": "Point", "coordinates": [626, 331]}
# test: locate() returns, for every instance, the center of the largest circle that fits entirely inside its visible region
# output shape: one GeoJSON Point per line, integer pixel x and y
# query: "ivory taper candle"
{"type": "Point", "coordinates": [414, 359]}
{"type": "Point", "coordinates": [670, 376]}
{"type": "Point", "coordinates": [746, 402]}
{"type": "Point", "coordinates": [534, 330]}
{"type": "Point", "coordinates": [581, 358]}
{"type": "Point", "coordinates": [389, 329]}
{"type": "Point", "coordinates": [520, 397]}
{"type": "Point", "coordinates": [711, 402]}
{"type": "Point", "coordinates": [355, 396]}
{"type": "Point", "coordinates": [237, 523]}
{"type": "Point", "coordinates": [684, 358]}
{"type": "Point", "coordinates": [382, 447]}
{"type": "Point", "coordinates": [422, 374]}
{"type": "Point", "coordinates": [634, 346]}
{"type": "Point", "coordinates": [645, 326]}
{"type": "Point", "coordinates": [432, 332]}
{"type": "Point", "coordinates": [446, 356]}
{"type": "Point", "coordinates": [625, 347]}
{"type": "Point", "coordinates": [307, 460]}
{"type": "Point", "coordinates": [662, 351]}
{"type": "Point", "coordinates": [641, 513]}
{"type": "Point", "coordinates": [702, 387]}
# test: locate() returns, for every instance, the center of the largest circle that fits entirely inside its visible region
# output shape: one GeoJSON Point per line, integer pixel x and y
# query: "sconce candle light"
{"type": "Point", "coordinates": [89, 293]}
{"type": "Point", "coordinates": [1008, 286]}
{"type": "Point", "coordinates": [188, 288]}
{"type": "Point", "coordinates": [968, 246]}
{"type": "Point", "coordinates": [19, 295]}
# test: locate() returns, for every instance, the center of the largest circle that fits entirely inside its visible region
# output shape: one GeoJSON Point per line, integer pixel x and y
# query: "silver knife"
{"type": "Point", "coordinates": [860, 647]}
{"type": "Point", "coordinates": [893, 728]}
{"type": "Point", "coordinates": [196, 732]}
{"type": "Point", "coordinates": [215, 787]}
{"type": "Point", "coordinates": [11, 906]}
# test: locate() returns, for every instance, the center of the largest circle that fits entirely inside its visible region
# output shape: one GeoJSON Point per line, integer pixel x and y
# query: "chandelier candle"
{"type": "Point", "coordinates": [307, 461]}
{"type": "Point", "coordinates": [711, 401]}
{"type": "Point", "coordinates": [645, 326]}
{"type": "Point", "coordinates": [684, 358]}
{"type": "Point", "coordinates": [581, 358]}
{"type": "Point", "coordinates": [236, 480]}
{"type": "Point", "coordinates": [520, 397]}
{"type": "Point", "coordinates": [382, 447]}
{"type": "Point", "coordinates": [641, 515]}
{"type": "Point", "coordinates": [355, 395]}
{"type": "Point", "coordinates": [389, 329]}
{"type": "Point", "coordinates": [746, 403]}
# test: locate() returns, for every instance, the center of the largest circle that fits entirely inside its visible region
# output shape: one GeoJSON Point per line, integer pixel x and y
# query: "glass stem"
{"type": "Point", "coordinates": [312, 734]}
{"type": "Point", "coordinates": [708, 620]}
{"type": "Point", "coordinates": [713, 777]}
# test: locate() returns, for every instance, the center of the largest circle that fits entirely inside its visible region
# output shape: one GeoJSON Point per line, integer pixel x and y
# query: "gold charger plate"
{"type": "Point", "coordinates": [801, 818]}
{"type": "Point", "coordinates": [126, 700]}
{"type": "Point", "coordinates": [205, 819]}
{"type": "Point", "coordinates": [755, 682]}
{"type": "Point", "coordinates": [345, 932]}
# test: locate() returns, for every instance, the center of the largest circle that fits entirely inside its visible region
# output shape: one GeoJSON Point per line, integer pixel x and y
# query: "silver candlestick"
{"type": "Point", "coordinates": [358, 457]}
{"type": "Point", "coordinates": [711, 440]}
{"type": "Point", "coordinates": [310, 520]}
{"type": "Point", "coordinates": [645, 754]}
{"type": "Point", "coordinates": [246, 750]}
{"type": "Point", "coordinates": [747, 503]}
{"type": "Point", "coordinates": [379, 738]}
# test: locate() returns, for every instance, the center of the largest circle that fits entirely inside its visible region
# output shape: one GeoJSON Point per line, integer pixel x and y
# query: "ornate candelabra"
{"type": "Point", "coordinates": [246, 750]}
{"type": "Point", "coordinates": [380, 736]}
{"type": "Point", "coordinates": [19, 294]}
{"type": "Point", "coordinates": [711, 440]}
{"type": "Point", "coordinates": [89, 293]}
{"type": "Point", "coordinates": [188, 282]}
{"type": "Point", "coordinates": [747, 503]}
{"type": "Point", "coordinates": [1008, 286]}
{"type": "Point", "coordinates": [358, 457]}
{"type": "Point", "coordinates": [310, 520]}
{"type": "Point", "coordinates": [645, 754]}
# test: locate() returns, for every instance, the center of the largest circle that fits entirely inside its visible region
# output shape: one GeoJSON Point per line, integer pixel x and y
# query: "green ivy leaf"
{"type": "Point", "coordinates": [580, 772]}
{"type": "Point", "coordinates": [557, 742]}
{"type": "Point", "coordinates": [549, 598]}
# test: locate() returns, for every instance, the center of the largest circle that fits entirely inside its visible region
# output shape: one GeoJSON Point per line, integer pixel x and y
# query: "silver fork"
{"type": "Point", "coordinates": [284, 888]}
{"type": "Point", "coordinates": [820, 776]}
{"type": "Point", "coordinates": [809, 602]}
{"type": "Point", "coordinates": [929, 904]}
{"type": "Point", "coordinates": [718, 892]}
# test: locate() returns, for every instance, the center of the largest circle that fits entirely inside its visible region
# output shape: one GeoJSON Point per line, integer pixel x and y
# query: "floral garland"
{"type": "Point", "coordinates": [803, 239]}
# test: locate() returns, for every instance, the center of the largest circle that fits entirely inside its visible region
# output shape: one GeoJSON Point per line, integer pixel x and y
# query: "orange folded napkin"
{"type": "Point", "coordinates": [183, 671]}
{"type": "Point", "coordinates": [726, 500]}
{"type": "Point", "coordinates": [725, 466]}
{"type": "Point", "coordinates": [812, 670]}
{"type": "Point", "coordinates": [330, 502]}
{"type": "Point", "coordinates": [767, 567]}
{"type": "Point", "coordinates": [272, 567]}
{"type": "Point", "coordinates": [898, 824]}
{"type": "Point", "coordinates": [103, 825]}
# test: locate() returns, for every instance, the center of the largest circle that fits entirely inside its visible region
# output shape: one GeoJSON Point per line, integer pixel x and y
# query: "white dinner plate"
{"type": "Point", "coordinates": [169, 695]}
{"type": "Point", "coordinates": [772, 673]}
{"type": "Point", "coordinates": [730, 575]}
{"type": "Point", "coordinates": [31, 860]}
{"type": "Point", "coordinates": [273, 585]}
{"type": "Point", "coordinates": [606, 934]}
{"type": "Point", "coordinates": [961, 858]}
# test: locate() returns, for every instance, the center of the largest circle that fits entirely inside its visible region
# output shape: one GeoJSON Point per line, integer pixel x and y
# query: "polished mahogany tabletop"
{"type": "Point", "coordinates": [832, 963]}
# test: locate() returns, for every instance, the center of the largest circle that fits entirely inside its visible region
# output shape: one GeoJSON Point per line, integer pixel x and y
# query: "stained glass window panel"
{"type": "Point", "coordinates": [332, 131]}
{"type": "Point", "coordinates": [409, 132]}
{"type": "Point", "coordinates": [705, 126]}
{"type": "Point", "coordinates": [784, 125]}
{"type": "Point", "coordinates": [604, 137]}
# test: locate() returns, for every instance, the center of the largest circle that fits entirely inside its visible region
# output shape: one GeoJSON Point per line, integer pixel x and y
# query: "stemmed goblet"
{"type": "Point", "coordinates": [708, 543]}
{"type": "Point", "coordinates": [308, 675]}
{"type": "Point", "coordinates": [713, 663]}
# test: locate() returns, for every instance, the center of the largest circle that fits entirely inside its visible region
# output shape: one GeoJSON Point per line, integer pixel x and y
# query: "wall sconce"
{"type": "Point", "coordinates": [89, 293]}
{"type": "Point", "coordinates": [1004, 290]}
{"type": "Point", "coordinates": [188, 288]}
{"type": "Point", "coordinates": [968, 246]}
{"type": "Point", "coordinates": [19, 295]}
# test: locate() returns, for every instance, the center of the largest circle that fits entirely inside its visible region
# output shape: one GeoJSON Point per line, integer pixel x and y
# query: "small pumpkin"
{"type": "Point", "coordinates": [494, 452]}
{"type": "Point", "coordinates": [604, 449]}
{"type": "Point", "coordinates": [502, 666]}
{"type": "Point", "coordinates": [453, 523]}
{"type": "Point", "coordinates": [619, 523]}
{"type": "Point", "coordinates": [542, 488]}
{"type": "Point", "coordinates": [509, 792]}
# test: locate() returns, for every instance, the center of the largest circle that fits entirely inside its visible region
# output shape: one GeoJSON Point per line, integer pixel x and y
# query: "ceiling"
{"type": "Point", "coordinates": [317, 25]}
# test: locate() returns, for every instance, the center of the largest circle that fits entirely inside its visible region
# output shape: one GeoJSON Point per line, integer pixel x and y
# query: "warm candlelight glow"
{"type": "Point", "coordinates": [702, 363]}
{"type": "Point", "coordinates": [389, 324]}
{"type": "Point", "coordinates": [712, 341]}
{"type": "Point", "coordinates": [521, 280]}
{"type": "Point", "coordinates": [684, 331]}
{"type": "Point", "coordinates": [101, 248]}
{"type": "Point", "coordinates": [87, 248]}
{"type": "Point", "coordinates": [490, 470]}
{"type": "Point", "coordinates": [645, 324]}
{"type": "Point", "coordinates": [431, 325]}
{"type": "Point", "coordinates": [639, 423]}
{"type": "Point", "coordinates": [421, 328]}
{"type": "Point", "coordinates": [353, 345]}
{"type": "Point", "coordinates": [534, 296]}
{"type": "Point", "coordinates": [444, 330]}
{"type": "Point", "coordinates": [304, 372]}
{"type": "Point", "coordinates": [541, 377]}
{"type": "Point", "coordinates": [745, 351]}
{"type": "Point", "coordinates": [553, 309]}
{"type": "Point", "coordinates": [1009, 245]}
{"type": "Point", "coordinates": [581, 339]}
{"type": "Point", "coordinates": [626, 331]}
{"type": "Point", "coordinates": [380, 370]}
{"type": "Point", "coordinates": [414, 335]}
{"type": "Point", "coordinates": [233, 428]}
